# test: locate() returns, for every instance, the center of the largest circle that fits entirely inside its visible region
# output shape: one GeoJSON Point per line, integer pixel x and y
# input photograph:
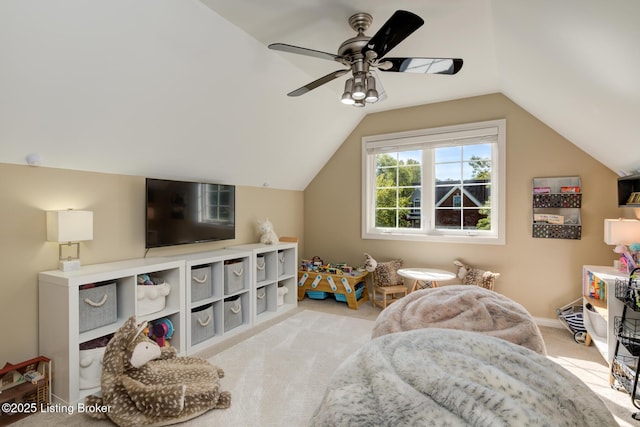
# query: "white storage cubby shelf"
{"type": "Point", "coordinates": [214, 278]}
{"type": "Point", "coordinates": [60, 314]}
{"type": "Point", "coordinates": [600, 322]}
{"type": "Point", "coordinates": [275, 287]}
{"type": "Point", "coordinates": [214, 295]}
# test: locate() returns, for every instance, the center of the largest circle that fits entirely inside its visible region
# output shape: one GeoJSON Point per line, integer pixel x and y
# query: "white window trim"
{"type": "Point", "coordinates": [392, 141]}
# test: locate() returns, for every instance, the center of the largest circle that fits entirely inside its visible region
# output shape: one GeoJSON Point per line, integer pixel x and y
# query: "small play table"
{"type": "Point", "coordinates": [334, 284]}
{"type": "Point", "coordinates": [429, 276]}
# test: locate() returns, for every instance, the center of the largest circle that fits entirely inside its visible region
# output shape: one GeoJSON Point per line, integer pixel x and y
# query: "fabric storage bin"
{"type": "Point", "coordinates": [261, 271]}
{"type": "Point", "coordinates": [233, 276]}
{"type": "Point", "coordinates": [202, 324]}
{"type": "Point", "coordinates": [281, 261]}
{"type": "Point", "coordinates": [201, 283]}
{"type": "Point", "coordinates": [232, 313]}
{"type": "Point", "coordinates": [317, 295]}
{"type": "Point", "coordinates": [152, 298]}
{"type": "Point", "coordinates": [359, 290]}
{"type": "Point", "coordinates": [261, 300]}
{"type": "Point", "coordinates": [282, 291]}
{"type": "Point", "coordinates": [97, 305]}
{"type": "Point", "coordinates": [91, 354]}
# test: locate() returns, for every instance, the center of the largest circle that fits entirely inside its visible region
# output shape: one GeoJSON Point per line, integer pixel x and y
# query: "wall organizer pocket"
{"type": "Point", "coordinates": [556, 208]}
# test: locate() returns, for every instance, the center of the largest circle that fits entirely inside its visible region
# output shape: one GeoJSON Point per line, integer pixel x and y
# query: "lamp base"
{"type": "Point", "coordinates": [70, 265]}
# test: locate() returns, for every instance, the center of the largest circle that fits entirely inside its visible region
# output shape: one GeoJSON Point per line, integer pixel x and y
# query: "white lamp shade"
{"type": "Point", "coordinates": [621, 231]}
{"type": "Point", "coordinates": [69, 226]}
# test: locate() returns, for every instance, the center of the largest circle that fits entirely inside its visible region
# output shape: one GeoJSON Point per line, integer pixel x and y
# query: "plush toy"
{"type": "Point", "coordinates": [267, 235]}
{"type": "Point", "coordinates": [370, 264]}
{"type": "Point", "coordinates": [144, 385]}
{"type": "Point", "coordinates": [475, 276]}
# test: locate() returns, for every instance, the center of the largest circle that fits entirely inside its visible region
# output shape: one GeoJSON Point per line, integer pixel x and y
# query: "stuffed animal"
{"type": "Point", "coordinates": [144, 385]}
{"type": "Point", "coordinates": [267, 235]}
{"type": "Point", "coordinates": [475, 276]}
{"type": "Point", "coordinates": [370, 264]}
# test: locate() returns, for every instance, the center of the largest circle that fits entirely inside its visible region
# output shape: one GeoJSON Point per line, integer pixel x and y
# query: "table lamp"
{"type": "Point", "coordinates": [68, 228]}
{"type": "Point", "coordinates": [621, 232]}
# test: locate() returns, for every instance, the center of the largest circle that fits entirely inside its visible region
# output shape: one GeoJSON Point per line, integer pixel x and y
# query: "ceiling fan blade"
{"type": "Point", "coordinates": [304, 51]}
{"type": "Point", "coordinates": [422, 65]}
{"type": "Point", "coordinates": [397, 28]}
{"type": "Point", "coordinates": [314, 84]}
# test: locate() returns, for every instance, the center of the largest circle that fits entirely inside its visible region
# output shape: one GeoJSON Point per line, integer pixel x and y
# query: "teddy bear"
{"type": "Point", "coordinates": [145, 385]}
{"type": "Point", "coordinates": [267, 235]}
{"type": "Point", "coordinates": [370, 264]}
{"type": "Point", "coordinates": [475, 276]}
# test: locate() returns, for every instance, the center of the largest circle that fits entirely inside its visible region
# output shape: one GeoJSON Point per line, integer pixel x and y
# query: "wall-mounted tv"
{"type": "Point", "coordinates": [181, 212]}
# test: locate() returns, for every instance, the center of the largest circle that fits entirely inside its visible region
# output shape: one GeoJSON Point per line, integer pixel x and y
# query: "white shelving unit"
{"type": "Point", "coordinates": [276, 267]}
{"type": "Point", "coordinates": [59, 313]}
{"type": "Point", "coordinates": [600, 325]}
{"type": "Point", "coordinates": [208, 269]}
{"type": "Point", "coordinates": [231, 275]}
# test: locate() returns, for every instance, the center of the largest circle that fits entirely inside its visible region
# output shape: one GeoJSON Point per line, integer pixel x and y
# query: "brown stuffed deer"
{"type": "Point", "coordinates": [145, 385]}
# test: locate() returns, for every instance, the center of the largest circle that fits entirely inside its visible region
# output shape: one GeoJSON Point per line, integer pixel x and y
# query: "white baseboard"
{"type": "Point", "coordinates": [550, 323]}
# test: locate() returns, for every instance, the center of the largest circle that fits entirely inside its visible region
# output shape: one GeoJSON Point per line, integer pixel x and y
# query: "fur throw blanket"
{"type": "Point", "coordinates": [470, 308]}
{"type": "Point", "coordinates": [444, 377]}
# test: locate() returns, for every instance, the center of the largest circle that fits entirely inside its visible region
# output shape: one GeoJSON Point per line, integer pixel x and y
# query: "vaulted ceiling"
{"type": "Point", "coordinates": [188, 89]}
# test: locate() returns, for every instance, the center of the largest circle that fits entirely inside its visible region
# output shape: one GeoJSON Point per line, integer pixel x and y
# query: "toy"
{"type": "Point", "coordinates": [370, 264]}
{"type": "Point", "coordinates": [145, 385]}
{"type": "Point", "coordinates": [475, 276]}
{"type": "Point", "coordinates": [267, 235]}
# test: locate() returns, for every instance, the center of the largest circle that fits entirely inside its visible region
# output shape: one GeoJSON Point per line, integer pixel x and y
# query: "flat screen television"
{"type": "Point", "coordinates": [181, 212]}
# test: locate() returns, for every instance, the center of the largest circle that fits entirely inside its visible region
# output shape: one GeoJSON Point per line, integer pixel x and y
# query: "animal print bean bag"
{"type": "Point", "coordinates": [445, 377]}
{"type": "Point", "coordinates": [464, 307]}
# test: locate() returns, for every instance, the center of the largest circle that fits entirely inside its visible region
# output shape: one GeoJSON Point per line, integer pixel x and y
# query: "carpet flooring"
{"type": "Point", "coordinates": [277, 374]}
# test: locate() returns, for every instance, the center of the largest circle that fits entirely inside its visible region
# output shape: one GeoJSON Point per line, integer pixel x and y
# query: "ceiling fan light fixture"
{"type": "Point", "coordinates": [358, 88]}
{"type": "Point", "coordinates": [358, 103]}
{"type": "Point", "coordinates": [358, 93]}
{"type": "Point", "coordinates": [347, 97]}
{"type": "Point", "coordinates": [372, 96]}
{"type": "Point", "coordinates": [372, 93]}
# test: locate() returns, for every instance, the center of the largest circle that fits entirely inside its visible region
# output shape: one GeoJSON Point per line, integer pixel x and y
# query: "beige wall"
{"type": "Point", "coordinates": [118, 205]}
{"type": "Point", "coordinates": [541, 274]}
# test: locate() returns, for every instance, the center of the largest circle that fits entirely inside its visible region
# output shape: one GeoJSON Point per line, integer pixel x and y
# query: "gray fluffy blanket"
{"type": "Point", "coordinates": [444, 377]}
{"type": "Point", "coordinates": [464, 307]}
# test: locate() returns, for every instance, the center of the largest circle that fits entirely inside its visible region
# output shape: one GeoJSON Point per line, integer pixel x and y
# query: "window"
{"type": "Point", "coordinates": [443, 184]}
{"type": "Point", "coordinates": [216, 203]}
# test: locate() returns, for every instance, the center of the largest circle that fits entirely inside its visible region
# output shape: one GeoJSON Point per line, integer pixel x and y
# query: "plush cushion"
{"type": "Point", "coordinates": [386, 273]}
{"type": "Point", "coordinates": [474, 276]}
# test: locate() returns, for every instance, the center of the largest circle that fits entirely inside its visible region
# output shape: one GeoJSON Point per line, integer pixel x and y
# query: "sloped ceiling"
{"type": "Point", "coordinates": [187, 89]}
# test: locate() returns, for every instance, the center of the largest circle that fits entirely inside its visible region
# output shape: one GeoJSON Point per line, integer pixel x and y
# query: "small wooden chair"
{"type": "Point", "coordinates": [391, 291]}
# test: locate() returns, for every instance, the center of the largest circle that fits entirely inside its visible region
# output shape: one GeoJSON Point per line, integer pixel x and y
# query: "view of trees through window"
{"type": "Point", "coordinates": [460, 186]}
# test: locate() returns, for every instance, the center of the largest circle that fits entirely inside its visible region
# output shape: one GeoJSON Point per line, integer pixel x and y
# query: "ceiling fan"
{"type": "Point", "coordinates": [362, 54]}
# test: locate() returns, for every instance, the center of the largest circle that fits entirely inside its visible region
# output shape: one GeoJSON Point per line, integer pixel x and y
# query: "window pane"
{"type": "Point", "coordinates": [477, 169]}
{"type": "Point", "coordinates": [410, 157]}
{"type": "Point", "coordinates": [448, 219]}
{"type": "Point", "coordinates": [479, 151]}
{"type": "Point", "coordinates": [448, 172]}
{"type": "Point", "coordinates": [409, 175]}
{"type": "Point", "coordinates": [477, 219]}
{"type": "Point", "coordinates": [386, 218]}
{"type": "Point", "coordinates": [386, 198]}
{"type": "Point", "coordinates": [448, 154]}
{"type": "Point", "coordinates": [386, 177]}
{"type": "Point", "coordinates": [407, 197]}
{"type": "Point", "coordinates": [409, 218]}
